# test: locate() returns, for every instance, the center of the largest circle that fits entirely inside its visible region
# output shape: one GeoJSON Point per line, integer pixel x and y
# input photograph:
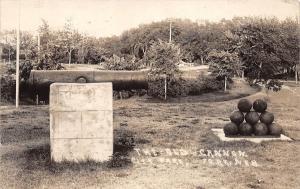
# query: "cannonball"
{"type": "Point", "coordinates": [260, 105]}
{"type": "Point", "coordinates": [237, 117]}
{"type": "Point", "coordinates": [252, 117]}
{"type": "Point", "coordinates": [266, 118]}
{"type": "Point", "coordinates": [244, 105]}
{"type": "Point", "coordinates": [275, 129]}
{"type": "Point", "coordinates": [245, 129]}
{"type": "Point", "coordinates": [230, 129]}
{"type": "Point", "coordinates": [260, 129]}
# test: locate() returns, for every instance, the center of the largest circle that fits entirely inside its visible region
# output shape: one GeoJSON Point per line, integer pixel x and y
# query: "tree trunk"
{"type": "Point", "coordinates": [144, 52]}
{"type": "Point", "coordinates": [202, 61]}
{"type": "Point", "coordinates": [165, 86]}
{"type": "Point", "coordinates": [9, 55]}
{"type": "Point", "coordinates": [82, 51]}
{"type": "Point", "coordinates": [70, 56]}
{"type": "Point", "coordinates": [296, 76]}
{"type": "Point", "coordinates": [225, 87]}
{"type": "Point", "coordinates": [243, 74]}
{"type": "Point", "coordinates": [260, 66]}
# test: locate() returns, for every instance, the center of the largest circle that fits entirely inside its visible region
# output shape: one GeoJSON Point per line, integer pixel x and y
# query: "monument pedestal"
{"type": "Point", "coordinates": [81, 122]}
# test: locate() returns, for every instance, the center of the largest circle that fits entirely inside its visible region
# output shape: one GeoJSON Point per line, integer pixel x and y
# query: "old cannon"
{"type": "Point", "coordinates": [40, 80]}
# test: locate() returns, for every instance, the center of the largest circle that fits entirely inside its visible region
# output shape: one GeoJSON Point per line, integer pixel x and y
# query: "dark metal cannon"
{"type": "Point", "coordinates": [40, 80]}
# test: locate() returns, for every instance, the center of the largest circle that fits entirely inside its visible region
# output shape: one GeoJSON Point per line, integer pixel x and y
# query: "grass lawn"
{"type": "Point", "coordinates": [163, 126]}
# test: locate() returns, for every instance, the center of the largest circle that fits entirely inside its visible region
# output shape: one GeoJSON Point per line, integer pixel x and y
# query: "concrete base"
{"type": "Point", "coordinates": [81, 122]}
{"type": "Point", "coordinates": [256, 139]}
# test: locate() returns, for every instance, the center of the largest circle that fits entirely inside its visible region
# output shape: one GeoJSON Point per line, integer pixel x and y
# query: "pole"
{"type": "Point", "coordinates": [18, 58]}
{"type": "Point", "coordinates": [39, 46]}
{"type": "Point", "coordinates": [9, 54]}
{"type": "Point", "coordinates": [38, 37]}
{"type": "Point", "coordinates": [170, 34]}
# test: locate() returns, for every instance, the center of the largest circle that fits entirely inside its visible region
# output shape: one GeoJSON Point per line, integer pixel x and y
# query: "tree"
{"type": "Point", "coordinates": [92, 52]}
{"type": "Point", "coordinates": [70, 39]}
{"type": "Point", "coordinates": [291, 52]}
{"type": "Point", "coordinates": [164, 59]}
{"type": "Point", "coordinates": [9, 45]}
{"type": "Point", "coordinates": [28, 46]}
{"type": "Point", "coordinates": [224, 65]}
{"type": "Point", "coordinates": [265, 49]}
{"type": "Point", "coordinates": [49, 53]}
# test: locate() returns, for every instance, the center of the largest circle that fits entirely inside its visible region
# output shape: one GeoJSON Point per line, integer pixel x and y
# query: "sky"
{"type": "Point", "coordinates": [103, 18]}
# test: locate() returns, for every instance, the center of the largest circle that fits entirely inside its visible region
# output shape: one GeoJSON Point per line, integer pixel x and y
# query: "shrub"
{"type": "Point", "coordinates": [7, 88]}
{"type": "Point", "coordinates": [205, 85]}
{"type": "Point", "coordinates": [49, 59]}
{"type": "Point", "coordinates": [25, 69]}
{"type": "Point", "coordinates": [8, 81]}
{"type": "Point", "coordinates": [124, 94]}
{"type": "Point", "coordinates": [175, 87]}
{"type": "Point", "coordinates": [122, 63]}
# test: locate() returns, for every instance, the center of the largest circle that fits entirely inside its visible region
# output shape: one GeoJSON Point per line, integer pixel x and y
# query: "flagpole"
{"type": "Point", "coordinates": [18, 57]}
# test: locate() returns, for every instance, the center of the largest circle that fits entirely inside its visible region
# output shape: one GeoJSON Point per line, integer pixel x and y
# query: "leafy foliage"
{"type": "Point", "coordinates": [205, 85]}
{"type": "Point", "coordinates": [91, 51]}
{"type": "Point", "coordinates": [164, 59]}
{"type": "Point", "coordinates": [265, 47]}
{"type": "Point", "coordinates": [50, 51]}
{"type": "Point", "coordinates": [69, 40]}
{"type": "Point", "coordinates": [122, 63]}
{"type": "Point", "coordinates": [224, 64]}
{"type": "Point", "coordinates": [7, 87]}
{"type": "Point", "coordinates": [25, 69]}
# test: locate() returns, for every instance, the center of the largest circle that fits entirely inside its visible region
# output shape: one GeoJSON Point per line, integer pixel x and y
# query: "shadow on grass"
{"type": "Point", "coordinates": [218, 96]}
{"type": "Point", "coordinates": [39, 158]}
{"type": "Point", "coordinates": [19, 134]}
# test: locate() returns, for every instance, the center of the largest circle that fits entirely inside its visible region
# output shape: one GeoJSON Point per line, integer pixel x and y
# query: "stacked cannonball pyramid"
{"type": "Point", "coordinates": [258, 121]}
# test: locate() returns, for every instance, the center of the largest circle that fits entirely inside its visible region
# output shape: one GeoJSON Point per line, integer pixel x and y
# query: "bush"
{"type": "Point", "coordinates": [49, 66]}
{"type": "Point", "coordinates": [25, 69]}
{"type": "Point", "coordinates": [49, 60]}
{"type": "Point", "coordinates": [124, 94]}
{"type": "Point", "coordinates": [7, 88]}
{"type": "Point", "coordinates": [122, 63]}
{"type": "Point", "coordinates": [8, 81]}
{"type": "Point", "coordinates": [175, 87]}
{"type": "Point", "coordinates": [205, 85]}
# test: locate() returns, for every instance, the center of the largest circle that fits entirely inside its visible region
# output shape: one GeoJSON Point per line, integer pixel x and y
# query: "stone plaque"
{"type": "Point", "coordinates": [81, 122]}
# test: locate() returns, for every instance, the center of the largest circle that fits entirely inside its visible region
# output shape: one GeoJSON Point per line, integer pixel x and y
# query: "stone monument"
{"type": "Point", "coordinates": [81, 122]}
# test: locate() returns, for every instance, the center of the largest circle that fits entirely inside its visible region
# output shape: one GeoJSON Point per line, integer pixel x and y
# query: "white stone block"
{"type": "Point", "coordinates": [81, 121]}
{"type": "Point", "coordinates": [256, 139]}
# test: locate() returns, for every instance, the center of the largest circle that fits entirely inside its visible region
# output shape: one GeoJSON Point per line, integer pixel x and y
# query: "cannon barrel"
{"type": "Point", "coordinates": [121, 79]}
{"type": "Point", "coordinates": [40, 80]}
